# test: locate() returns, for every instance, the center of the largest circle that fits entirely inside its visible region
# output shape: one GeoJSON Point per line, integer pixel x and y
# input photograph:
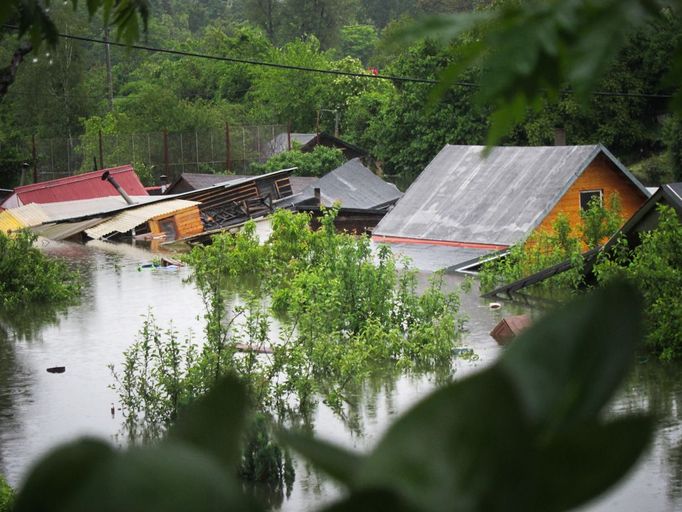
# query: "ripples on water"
{"type": "Point", "coordinates": [39, 410]}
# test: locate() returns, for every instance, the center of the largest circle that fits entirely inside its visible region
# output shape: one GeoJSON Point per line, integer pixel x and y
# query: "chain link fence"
{"type": "Point", "coordinates": [218, 150]}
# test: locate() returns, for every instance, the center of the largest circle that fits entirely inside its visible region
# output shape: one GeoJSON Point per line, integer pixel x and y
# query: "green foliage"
{"type": "Point", "coordinates": [358, 41]}
{"type": "Point", "coordinates": [514, 432]}
{"type": "Point", "coordinates": [342, 315]}
{"type": "Point", "coordinates": [655, 267]}
{"type": "Point", "coordinates": [532, 51]}
{"type": "Point", "coordinates": [673, 139]}
{"type": "Point", "coordinates": [394, 126]}
{"type": "Point", "coordinates": [6, 496]}
{"type": "Point", "coordinates": [28, 277]}
{"type": "Point", "coordinates": [562, 243]}
{"type": "Point", "coordinates": [317, 162]}
{"type": "Point", "coordinates": [34, 18]}
{"type": "Point", "coordinates": [599, 223]}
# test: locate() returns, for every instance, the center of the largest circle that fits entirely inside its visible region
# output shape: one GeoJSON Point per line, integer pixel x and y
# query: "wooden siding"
{"type": "Point", "coordinates": [601, 174]}
{"type": "Point", "coordinates": [187, 222]}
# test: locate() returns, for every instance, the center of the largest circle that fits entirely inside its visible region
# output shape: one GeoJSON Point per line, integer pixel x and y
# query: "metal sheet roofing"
{"type": "Point", "coordinates": [354, 186]}
{"type": "Point", "coordinates": [197, 181]}
{"type": "Point", "coordinates": [25, 216]}
{"type": "Point", "coordinates": [431, 257]}
{"type": "Point", "coordinates": [67, 210]}
{"type": "Point", "coordinates": [133, 217]}
{"type": "Point", "coordinates": [64, 230]}
{"type": "Point", "coordinates": [9, 223]}
{"type": "Point", "coordinates": [281, 142]}
{"type": "Point", "coordinates": [81, 186]}
{"type": "Point", "coordinates": [499, 199]}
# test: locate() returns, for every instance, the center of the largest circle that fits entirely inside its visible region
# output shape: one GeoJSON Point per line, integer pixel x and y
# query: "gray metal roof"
{"type": "Point", "coordinates": [464, 196]}
{"type": "Point", "coordinates": [354, 186]}
{"type": "Point", "coordinates": [199, 180]}
{"type": "Point", "coordinates": [65, 230]}
{"type": "Point", "coordinates": [281, 142]}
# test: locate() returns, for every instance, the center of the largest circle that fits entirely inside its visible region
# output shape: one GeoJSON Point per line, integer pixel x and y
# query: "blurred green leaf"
{"type": "Point", "coordinates": [463, 448]}
{"type": "Point", "coordinates": [337, 462]}
{"type": "Point", "coordinates": [215, 423]}
{"type": "Point", "coordinates": [518, 432]}
{"type": "Point", "coordinates": [171, 477]}
{"type": "Point", "coordinates": [54, 482]}
{"type": "Point", "coordinates": [371, 501]}
{"type": "Point", "coordinates": [591, 458]}
{"type": "Point", "coordinates": [567, 366]}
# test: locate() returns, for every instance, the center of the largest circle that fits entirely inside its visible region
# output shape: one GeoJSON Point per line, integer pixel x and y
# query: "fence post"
{"type": "Point", "coordinates": [228, 149]}
{"type": "Point", "coordinates": [101, 151]}
{"type": "Point", "coordinates": [196, 146]}
{"type": "Point", "coordinates": [35, 160]}
{"type": "Point", "coordinates": [166, 162]}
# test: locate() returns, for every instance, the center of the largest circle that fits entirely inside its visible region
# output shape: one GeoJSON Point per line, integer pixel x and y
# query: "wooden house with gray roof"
{"type": "Point", "coordinates": [478, 203]}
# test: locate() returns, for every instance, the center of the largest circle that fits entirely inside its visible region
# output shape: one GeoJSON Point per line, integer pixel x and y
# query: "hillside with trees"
{"type": "Point", "coordinates": [68, 93]}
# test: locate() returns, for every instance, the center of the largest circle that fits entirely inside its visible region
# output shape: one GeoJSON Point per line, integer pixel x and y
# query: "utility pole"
{"type": "Point", "coordinates": [110, 82]}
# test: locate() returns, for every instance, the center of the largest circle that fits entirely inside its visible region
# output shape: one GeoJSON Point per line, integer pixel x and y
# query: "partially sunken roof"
{"type": "Point", "coordinates": [463, 196]}
{"type": "Point", "coordinates": [88, 185]}
{"type": "Point", "coordinates": [196, 181]}
{"type": "Point", "coordinates": [354, 186]}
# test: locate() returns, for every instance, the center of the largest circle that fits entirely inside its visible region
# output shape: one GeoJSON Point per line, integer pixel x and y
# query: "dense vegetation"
{"type": "Point", "coordinates": [342, 316]}
{"type": "Point", "coordinates": [29, 277]}
{"type": "Point", "coordinates": [65, 94]}
{"type": "Point", "coordinates": [654, 266]}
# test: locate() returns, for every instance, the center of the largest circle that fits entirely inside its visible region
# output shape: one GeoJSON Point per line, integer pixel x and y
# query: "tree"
{"type": "Point", "coordinates": [34, 19]}
{"type": "Point", "coordinates": [533, 51]}
{"type": "Point", "coordinates": [358, 41]}
{"type": "Point", "coordinates": [397, 129]}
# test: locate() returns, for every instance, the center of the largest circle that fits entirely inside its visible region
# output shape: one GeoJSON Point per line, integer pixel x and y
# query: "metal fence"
{"type": "Point", "coordinates": [231, 148]}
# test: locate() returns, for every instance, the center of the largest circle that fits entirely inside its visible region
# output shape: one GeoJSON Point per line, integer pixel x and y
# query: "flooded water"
{"type": "Point", "coordinates": [39, 410]}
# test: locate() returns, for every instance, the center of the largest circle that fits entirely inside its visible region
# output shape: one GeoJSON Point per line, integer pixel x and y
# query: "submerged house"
{"type": "Point", "coordinates": [645, 219]}
{"type": "Point", "coordinates": [89, 185]}
{"type": "Point", "coordinates": [233, 202]}
{"type": "Point", "coordinates": [476, 204]}
{"type": "Point", "coordinates": [364, 198]}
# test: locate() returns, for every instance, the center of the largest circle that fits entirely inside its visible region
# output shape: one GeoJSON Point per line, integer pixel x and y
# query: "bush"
{"type": "Point", "coordinates": [317, 162]}
{"type": "Point", "coordinates": [27, 276]}
{"type": "Point", "coordinates": [655, 266]}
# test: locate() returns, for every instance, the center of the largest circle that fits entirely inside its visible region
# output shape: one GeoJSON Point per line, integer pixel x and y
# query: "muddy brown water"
{"type": "Point", "coordinates": [39, 410]}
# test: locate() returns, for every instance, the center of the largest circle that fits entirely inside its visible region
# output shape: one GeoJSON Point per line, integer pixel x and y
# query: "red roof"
{"type": "Point", "coordinates": [81, 186]}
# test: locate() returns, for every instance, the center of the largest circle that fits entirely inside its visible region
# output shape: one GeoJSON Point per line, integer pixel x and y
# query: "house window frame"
{"type": "Point", "coordinates": [599, 191]}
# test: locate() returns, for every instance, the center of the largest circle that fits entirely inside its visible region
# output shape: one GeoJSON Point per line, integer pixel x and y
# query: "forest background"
{"type": "Point", "coordinates": [64, 93]}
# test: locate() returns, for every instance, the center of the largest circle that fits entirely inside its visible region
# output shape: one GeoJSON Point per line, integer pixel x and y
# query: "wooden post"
{"type": "Point", "coordinates": [166, 162]}
{"type": "Point", "coordinates": [228, 149]}
{"type": "Point", "coordinates": [289, 136]}
{"type": "Point", "coordinates": [101, 151]}
{"type": "Point", "coordinates": [35, 160]}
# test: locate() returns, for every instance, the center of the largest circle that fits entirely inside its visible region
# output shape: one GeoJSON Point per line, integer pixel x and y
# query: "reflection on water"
{"type": "Point", "coordinates": [39, 410]}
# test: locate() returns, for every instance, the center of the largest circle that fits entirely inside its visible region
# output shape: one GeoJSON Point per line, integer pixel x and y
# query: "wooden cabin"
{"type": "Point", "coordinates": [476, 202]}
{"type": "Point", "coordinates": [179, 224]}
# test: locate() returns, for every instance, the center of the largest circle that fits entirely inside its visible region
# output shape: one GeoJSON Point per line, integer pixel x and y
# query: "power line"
{"type": "Point", "coordinates": [252, 62]}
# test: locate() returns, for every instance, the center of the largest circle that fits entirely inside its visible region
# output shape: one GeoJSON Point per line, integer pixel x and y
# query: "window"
{"type": "Point", "coordinates": [587, 195]}
{"type": "Point", "coordinates": [168, 227]}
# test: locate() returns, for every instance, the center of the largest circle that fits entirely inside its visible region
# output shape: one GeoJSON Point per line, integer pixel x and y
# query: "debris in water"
{"type": "Point", "coordinates": [56, 369]}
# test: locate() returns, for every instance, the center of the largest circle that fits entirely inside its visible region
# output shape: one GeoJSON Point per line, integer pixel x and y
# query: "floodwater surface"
{"type": "Point", "coordinates": [39, 410]}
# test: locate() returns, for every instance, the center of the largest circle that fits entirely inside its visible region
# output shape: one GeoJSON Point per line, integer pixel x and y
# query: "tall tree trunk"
{"type": "Point", "coordinates": [9, 73]}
